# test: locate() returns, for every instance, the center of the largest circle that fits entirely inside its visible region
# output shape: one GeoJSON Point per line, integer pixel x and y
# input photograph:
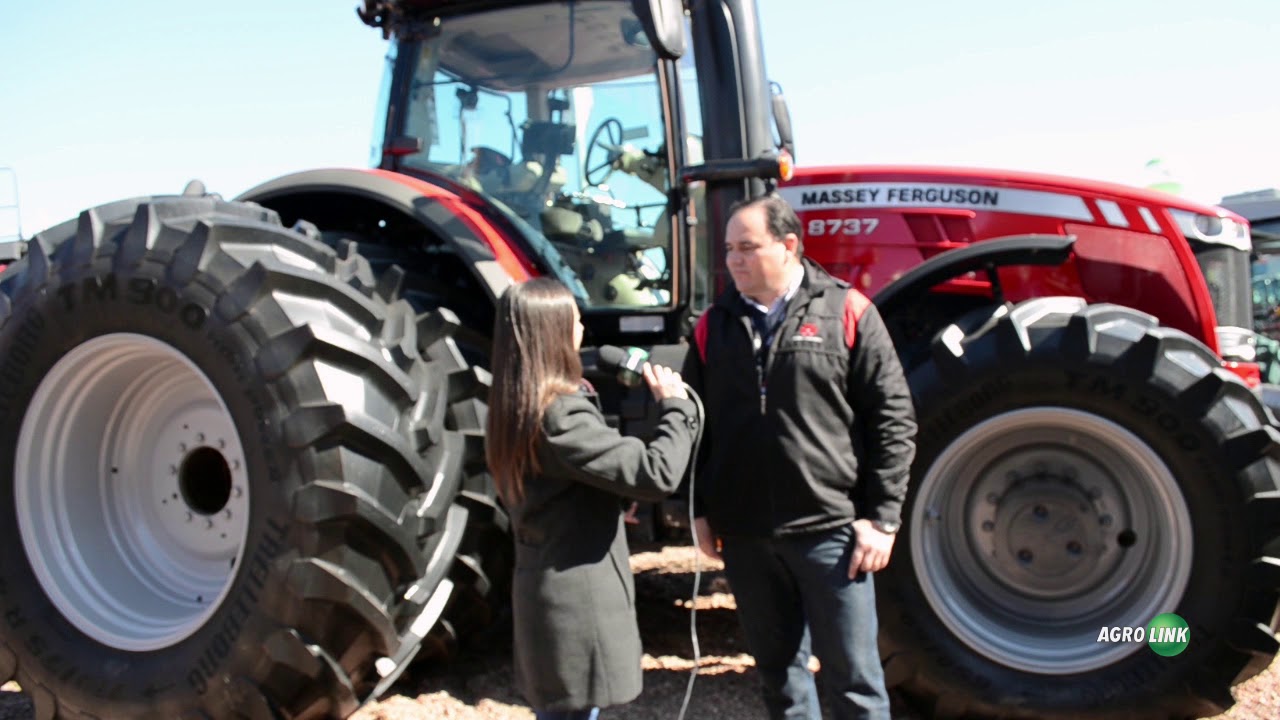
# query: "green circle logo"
{"type": "Point", "coordinates": [1168, 634]}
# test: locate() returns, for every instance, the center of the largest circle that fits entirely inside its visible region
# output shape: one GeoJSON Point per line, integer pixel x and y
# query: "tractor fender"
{"type": "Point", "coordinates": [1013, 250]}
{"type": "Point", "coordinates": [464, 223]}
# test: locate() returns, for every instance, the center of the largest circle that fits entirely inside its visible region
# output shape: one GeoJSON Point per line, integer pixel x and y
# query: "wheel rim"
{"type": "Point", "coordinates": [131, 491]}
{"type": "Point", "coordinates": [1038, 527]}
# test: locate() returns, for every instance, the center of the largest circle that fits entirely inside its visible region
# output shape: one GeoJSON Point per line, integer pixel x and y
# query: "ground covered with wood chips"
{"type": "Point", "coordinates": [478, 685]}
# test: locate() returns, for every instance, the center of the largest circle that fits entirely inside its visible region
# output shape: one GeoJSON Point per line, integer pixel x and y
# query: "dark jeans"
{"type": "Point", "coordinates": [591, 714]}
{"type": "Point", "coordinates": [781, 583]}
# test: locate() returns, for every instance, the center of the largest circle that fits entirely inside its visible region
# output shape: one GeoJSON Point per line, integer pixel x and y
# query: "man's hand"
{"type": "Point", "coordinates": [871, 549]}
{"type": "Point", "coordinates": [708, 543]}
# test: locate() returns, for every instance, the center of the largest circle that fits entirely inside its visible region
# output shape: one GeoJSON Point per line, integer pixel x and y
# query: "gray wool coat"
{"type": "Point", "coordinates": [577, 644]}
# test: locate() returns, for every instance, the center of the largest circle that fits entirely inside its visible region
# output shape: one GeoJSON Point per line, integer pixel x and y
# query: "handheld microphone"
{"type": "Point", "coordinates": [627, 362]}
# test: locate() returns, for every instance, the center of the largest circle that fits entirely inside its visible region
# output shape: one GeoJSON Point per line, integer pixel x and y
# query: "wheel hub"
{"type": "Point", "coordinates": [205, 479]}
{"type": "Point", "coordinates": [1045, 535]}
{"type": "Point", "coordinates": [198, 498]}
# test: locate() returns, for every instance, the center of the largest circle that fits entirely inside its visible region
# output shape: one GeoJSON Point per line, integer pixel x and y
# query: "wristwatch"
{"type": "Point", "coordinates": [888, 528]}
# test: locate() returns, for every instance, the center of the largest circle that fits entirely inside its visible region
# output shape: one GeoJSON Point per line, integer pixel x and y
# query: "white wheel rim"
{"type": "Point", "coordinates": [131, 491]}
{"type": "Point", "coordinates": [1037, 527]}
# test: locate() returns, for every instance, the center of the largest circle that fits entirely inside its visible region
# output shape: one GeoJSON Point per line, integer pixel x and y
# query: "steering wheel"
{"type": "Point", "coordinates": [611, 130]}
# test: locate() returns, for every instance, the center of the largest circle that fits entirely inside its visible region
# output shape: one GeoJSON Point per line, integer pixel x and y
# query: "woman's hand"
{"type": "Point", "coordinates": [664, 382]}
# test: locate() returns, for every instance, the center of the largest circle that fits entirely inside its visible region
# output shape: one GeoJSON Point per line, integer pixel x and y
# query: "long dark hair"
{"type": "Point", "coordinates": [534, 361]}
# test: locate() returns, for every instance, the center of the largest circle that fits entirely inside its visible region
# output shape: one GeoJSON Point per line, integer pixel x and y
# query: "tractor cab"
{"type": "Point", "coordinates": [582, 123]}
{"type": "Point", "coordinates": [558, 115]}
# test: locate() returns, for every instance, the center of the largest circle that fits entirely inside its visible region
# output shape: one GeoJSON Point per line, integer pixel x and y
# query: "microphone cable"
{"type": "Point", "coordinates": [697, 555]}
{"type": "Point", "coordinates": [627, 362]}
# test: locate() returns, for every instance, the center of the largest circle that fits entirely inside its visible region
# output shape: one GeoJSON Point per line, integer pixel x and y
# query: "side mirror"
{"type": "Point", "coordinates": [782, 120]}
{"type": "Point", "coordinates": [663, 22]}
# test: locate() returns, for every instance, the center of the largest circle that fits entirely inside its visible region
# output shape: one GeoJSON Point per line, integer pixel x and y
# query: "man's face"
{"type": "Point", "coordinates": [759, 264]}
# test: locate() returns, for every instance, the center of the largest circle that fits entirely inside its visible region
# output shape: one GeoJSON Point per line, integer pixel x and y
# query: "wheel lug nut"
{"type": "Point", "coordinates": [1041, 512]}
{"type": "Point", "coordinates": [1025, 556]}
{"type": "Point", "coordinates": [988, 526]}
{"type": "Point", "coordinates": [1074, 548]}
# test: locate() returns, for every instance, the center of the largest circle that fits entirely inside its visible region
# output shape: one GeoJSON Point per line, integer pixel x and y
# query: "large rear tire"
{"type": "Point", "coordinates": [233, 473]}
{"type": "Point", "coordinates": [1080, 467]}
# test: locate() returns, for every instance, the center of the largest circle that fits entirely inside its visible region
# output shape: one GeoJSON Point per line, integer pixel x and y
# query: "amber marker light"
{"type": "Point", "coordinates": [786, 167]}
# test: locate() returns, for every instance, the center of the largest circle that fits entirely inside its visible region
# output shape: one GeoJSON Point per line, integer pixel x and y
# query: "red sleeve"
{"type": "Point", "coordinates": [855, 303]}
{"type": "Point", "coordinates": [700, 336]}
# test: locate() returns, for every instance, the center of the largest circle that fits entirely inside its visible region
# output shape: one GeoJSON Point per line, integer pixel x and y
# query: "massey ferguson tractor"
{"type": "Point", "coordinates": [241, 441]}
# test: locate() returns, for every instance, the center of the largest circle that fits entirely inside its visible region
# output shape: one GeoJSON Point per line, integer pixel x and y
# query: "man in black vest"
{"type": "Point", "coordinates": [810, 437]}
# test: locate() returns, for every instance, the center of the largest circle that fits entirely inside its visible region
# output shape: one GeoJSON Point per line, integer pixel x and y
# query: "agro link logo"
{"type": "Point", "coordinates": [1167, 634]}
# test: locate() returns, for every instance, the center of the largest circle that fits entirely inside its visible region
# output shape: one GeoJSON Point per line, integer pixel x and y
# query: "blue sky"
{"type": "Point", "coordinates": [108, 100]}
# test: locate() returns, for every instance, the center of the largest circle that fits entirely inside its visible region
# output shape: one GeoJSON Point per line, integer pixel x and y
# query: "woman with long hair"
{"type": "Point", "coordinates": [563, 474]}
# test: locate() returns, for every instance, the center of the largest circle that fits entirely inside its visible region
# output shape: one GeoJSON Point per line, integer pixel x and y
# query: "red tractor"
{"type": "Point", "coordinates": [242, 440]}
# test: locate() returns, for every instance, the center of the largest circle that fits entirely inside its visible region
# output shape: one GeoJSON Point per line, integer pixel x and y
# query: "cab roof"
{"type": "Point", "coordinates": [528, 43]}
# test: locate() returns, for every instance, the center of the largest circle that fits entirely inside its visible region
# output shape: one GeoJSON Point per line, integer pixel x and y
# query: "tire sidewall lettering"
{"type": "Point", "coordinates": [141, 290]}
{"type": "Point", "coordinates": [22, 338]}
{"type": "Point", "coordinates": [1141, 402]}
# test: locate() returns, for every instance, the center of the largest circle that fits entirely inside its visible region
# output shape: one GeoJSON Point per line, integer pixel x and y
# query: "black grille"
{"type": "Point", "coordinates": [1226, 270]}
